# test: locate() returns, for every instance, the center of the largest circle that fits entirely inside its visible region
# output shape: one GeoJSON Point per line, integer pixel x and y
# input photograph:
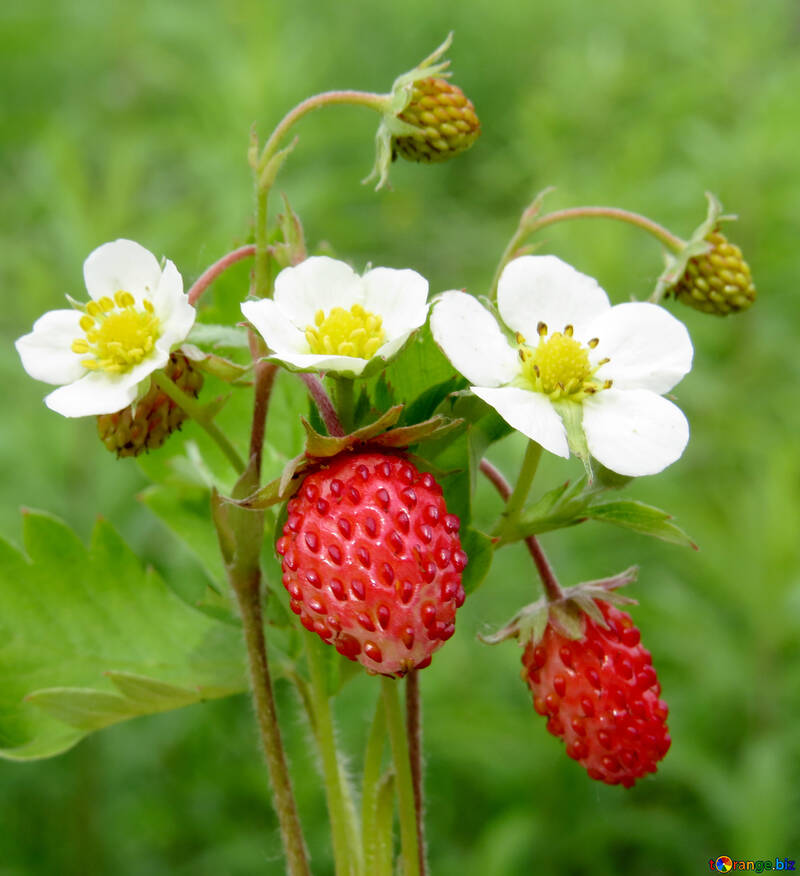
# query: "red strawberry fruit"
{"type": "Point", "coordinates": [600, 694]}
{"type": "Point", "coordinates": [372, 560]}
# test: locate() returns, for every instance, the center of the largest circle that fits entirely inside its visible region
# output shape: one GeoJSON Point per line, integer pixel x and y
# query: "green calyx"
{"type": "Point", "coordinates": [379, 435]}
{"type": "Point", "coordinates": [708, 273]}
{"type": "Point", "coordinates": [567, 614]}
{"type": "Point", "coordinates": [393, 124]}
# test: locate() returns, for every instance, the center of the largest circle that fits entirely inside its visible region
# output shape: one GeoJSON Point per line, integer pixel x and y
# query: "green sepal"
{"type": "Point", "coordinates": [697, 245]}
{"type": "Point", "coordinates": [292, 250]}
{"type": "Point", "coordinates": [572, 417]}
{"type": "Point", "coordinates": [394, 104]}
{"type": "Point", "coordinates": [224, 369]}
{"type": "Point", "coordinates": [269, 171]}
{"type": "Point", "coordinates": [320, 448]}
{"type": "Point", "coordinates": [566, 614]}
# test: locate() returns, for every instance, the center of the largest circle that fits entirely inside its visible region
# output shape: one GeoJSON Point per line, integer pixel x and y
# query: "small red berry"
{"type": "Point", "coordinates": [600, 694]}
{"type": "Point", "coordinates": [370, 549]}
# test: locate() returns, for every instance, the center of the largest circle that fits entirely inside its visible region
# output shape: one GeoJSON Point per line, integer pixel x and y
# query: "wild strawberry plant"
{"type": "Point", "coordinates": [329, 491]}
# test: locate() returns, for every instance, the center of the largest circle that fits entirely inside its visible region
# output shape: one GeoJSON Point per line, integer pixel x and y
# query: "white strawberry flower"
{"type": "Point", "coordinates": [101, 354]}
{"type": "Point", "coordinates": [325, 317]}
{"type": "Point", "coordinates": [566, 345]}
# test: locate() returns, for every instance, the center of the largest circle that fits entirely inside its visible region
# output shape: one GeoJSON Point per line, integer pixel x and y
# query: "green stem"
{"type": "Point", "coordinates": [529, 226]}
{"type": "Point", "coordinates": [249, 597]}
{"type": "Point", "coordinates": [344, 392]}
{"type": "Point", "coordinates": [383, 827]}
{"type": "Point", "coordinates": [530, 463]}
{"type": "Point", "coordinates": [373, 756]}
{"type": "Point", "coordinates": [543, 567]}
{"type": "Point", "coordinates": [405, 784]}
{"type": "Point", "coordinates": [414, 730]}
{"type": "Point", "coordinates": [345, 857]}
{"type": "Point", "coordinates": [664, 235]}
{"type": "Point", "coordinates": [198, 413]}
{"type": "Point", "coordinates": [328, 98]}
{"type": "Point", "coordinates": [262, 278]}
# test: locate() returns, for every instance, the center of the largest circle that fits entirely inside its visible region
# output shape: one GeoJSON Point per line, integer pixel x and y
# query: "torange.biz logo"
{"type": "Point", "coordinates": [724, 864]}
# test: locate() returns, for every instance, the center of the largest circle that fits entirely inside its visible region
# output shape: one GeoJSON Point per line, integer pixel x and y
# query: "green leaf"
{"type": "Point", "coordinates": [642, 518]}
{"type": "Point", "coordinates": [89, 638]}
{"type": "Point", "coordinates": [480, 550]}
{"type": "Point", "coordinates": [218, 336]}
{"type": "Point", "coordinates": [419, 366]}
{"type": "Point", "coordinates": [185, 511]}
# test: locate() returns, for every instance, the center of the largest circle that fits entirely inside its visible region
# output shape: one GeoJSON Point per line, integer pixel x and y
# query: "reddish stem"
{"type": "Point", "coordinates": [324, 404]}
{"type": "Point", "coordinates": [211, 273]}
{"type": "Point", "coordinates": [549, 581]}
{"type": "Point", "coordinates": [264, 373]}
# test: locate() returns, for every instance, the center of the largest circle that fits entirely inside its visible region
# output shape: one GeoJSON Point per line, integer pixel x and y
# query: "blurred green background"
{"type": "Point", "coordinates": [123, 119]}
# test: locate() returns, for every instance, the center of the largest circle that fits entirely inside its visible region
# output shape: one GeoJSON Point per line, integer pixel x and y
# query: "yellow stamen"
{"type": "Point", "coordinates": [355, 332]}
{"type": "Point", "coordinates": [118, 335]}
{"type": "Point", "coordinates": [559, 366]}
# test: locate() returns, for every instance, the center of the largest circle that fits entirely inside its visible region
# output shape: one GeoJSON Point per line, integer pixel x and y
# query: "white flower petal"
{"type": "Point", "coordinates": [530, 413]}
{"type": "Point", "coordinates": [92, 395]}
{"type": "Point", "coordinates": [534, 289]}
{"type": "Point", "coordinates": [648, 348]}
{"type": "Point", "coordinates": [634, 432]}
{"type": "Point", "coordinates": [281, 335]}
{"type": "Point", "coordinates": [388, 350]}
{"type": "Point", "coordinates": [351, 366]}
{"type": "Point", "coordinates": [318, 283]}
{"type": "Point", "coordinates": [46, 352]}
{"type": "Point", "coordinates": [121, 265]}
{"type": "Point", "coordinates": [167, 293]}
{"type": "Point", "coordinates": [398, 297]}
{"type": "Point", "coordinates": [472, 340]}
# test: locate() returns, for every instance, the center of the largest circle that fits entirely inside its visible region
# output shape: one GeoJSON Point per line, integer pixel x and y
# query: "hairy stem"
{"type": "Point", "coordinates": [543, 567]}
{"type": "Point", "coordinates": [249, 598]}
{"type": "Point", "coordinates": [670, 240]}
{"type": "Point", "coordinates": [383, 827]}
{"type": "Point", "coordinates": [346, 858]}
{"type": "Point", "coordinates": [404, 782]}
{"type": "Point", "coordinates": [198, 413]}
{"type": "Point", "coordinates": [529, 226]}
{"type": "Point", "coordinates": [328, 98]}
{"type": "Point", "coordinates": [414, 731]}
{"type": "Point", "coordinates": [373, 756]}
{"type": "Point", "coordinates": [211, 273]}
{"type": "Point", "coordinates": [324, 404]}
{"type": "Point", "coordinates": [264, 379]}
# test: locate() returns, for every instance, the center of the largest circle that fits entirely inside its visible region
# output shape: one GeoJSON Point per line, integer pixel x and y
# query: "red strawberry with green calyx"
{"type": "Point", "coordinates": [593, 680]}
{"type": "Point", "coordinates": [372, 560]}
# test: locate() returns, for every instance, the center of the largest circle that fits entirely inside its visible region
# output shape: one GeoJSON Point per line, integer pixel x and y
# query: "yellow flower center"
{"type": "Point", "coordinates": [117, 334]}
{"type": "Point", "coordinates": [559, 366]}
{"type": "Point", "coordinates": [355, 332]}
